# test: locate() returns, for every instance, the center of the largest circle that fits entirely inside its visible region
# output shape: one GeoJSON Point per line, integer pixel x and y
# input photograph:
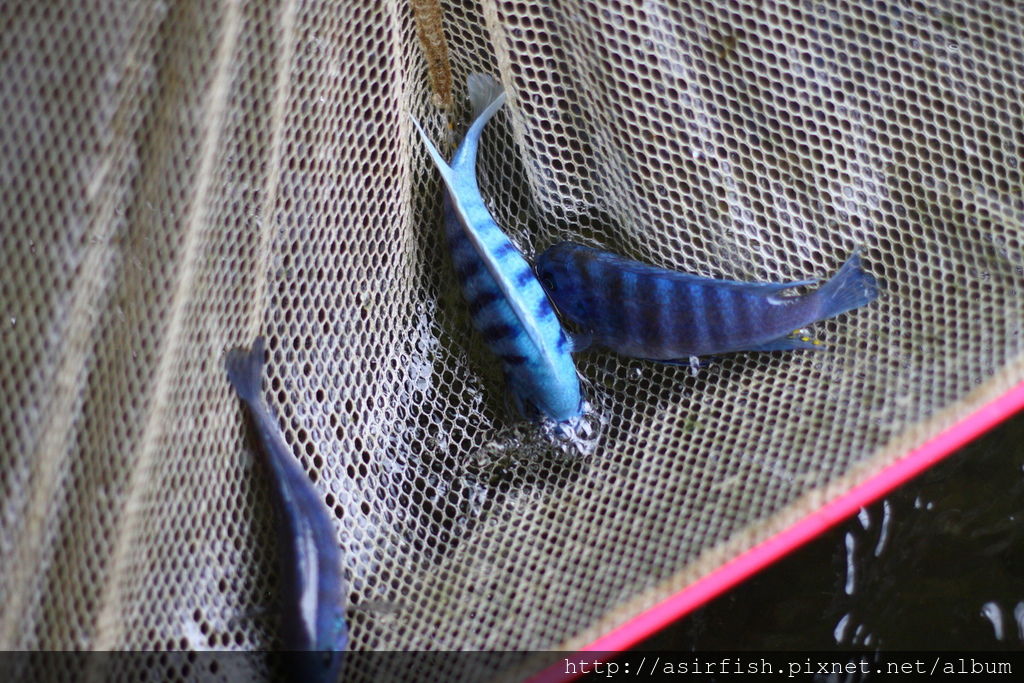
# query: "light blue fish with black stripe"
{"type": "Point", "coordinates": [507, 304]}
{"type": "Point", "coordinates": [643, 311]}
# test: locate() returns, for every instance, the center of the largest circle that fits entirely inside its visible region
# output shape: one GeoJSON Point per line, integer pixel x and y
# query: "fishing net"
{"type": "Point", "coordinates": [179, 177]}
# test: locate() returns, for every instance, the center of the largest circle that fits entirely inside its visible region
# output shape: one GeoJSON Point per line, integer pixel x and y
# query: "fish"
{"type": "Point", "coordinates": [507, 304]}
{"type": "Point", "coordinates": [643, 311]}
{"type": "Point", "coordinates": [313, 618]}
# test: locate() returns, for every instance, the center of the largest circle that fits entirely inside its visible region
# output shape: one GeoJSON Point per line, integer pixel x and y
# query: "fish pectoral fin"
{"type": "Point", "coordinates": [788, 343]}
{"type": "Point", "coordinates": [579, 341]}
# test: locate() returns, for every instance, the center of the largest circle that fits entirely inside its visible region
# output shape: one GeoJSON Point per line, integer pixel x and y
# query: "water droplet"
{"type": "Point", "coordinates": [992, 612]}
{"type": "Point", "coordinates": [1018, 615]}
{"type": "Point", "coordinates": [883, 533]}
{"type": "Point", "coordinates": [839, 632]}
{"type": "Point", "coordinates": [851, 548]}
{"type": "Point", "coordinates": [865, 518]}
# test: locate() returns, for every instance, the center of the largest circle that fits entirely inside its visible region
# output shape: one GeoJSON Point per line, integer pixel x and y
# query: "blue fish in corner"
{"type": "Point", "coordinates": [657, 314]}
{"type": "Point", "coordinates": [506, 302]}
{"type": "Point", "coordinates": [314, 600]}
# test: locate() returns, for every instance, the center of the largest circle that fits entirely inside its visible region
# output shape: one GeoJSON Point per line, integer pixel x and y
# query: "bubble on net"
{"type": "Point", "coordinates": [578, 436]}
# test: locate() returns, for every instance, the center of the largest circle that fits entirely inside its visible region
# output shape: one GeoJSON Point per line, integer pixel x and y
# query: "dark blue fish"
{"type": "Point", "coordinates": [647, 312]}
{"type": "Point", "coordinates": [507, 304]}
{"type": "Point", "coordinates": [314, 600]}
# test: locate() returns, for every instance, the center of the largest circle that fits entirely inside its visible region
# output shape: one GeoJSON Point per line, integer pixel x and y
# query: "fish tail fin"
{"type": "Point", "coordinates": [442, 165]}
{"type": "Point", "coordinates": [245, 369]}
{"type": "Point", "coordinates": [850, 288]}
{"type": "Point", "coordinates": [486, 95]}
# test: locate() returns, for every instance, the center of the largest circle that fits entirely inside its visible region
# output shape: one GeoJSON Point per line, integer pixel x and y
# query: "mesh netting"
{"type": "Point", "coordinates": [179, 177]}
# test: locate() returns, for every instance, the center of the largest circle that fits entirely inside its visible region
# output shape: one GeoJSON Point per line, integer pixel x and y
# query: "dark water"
{"type": "Point", "coordinates": [938, 564]}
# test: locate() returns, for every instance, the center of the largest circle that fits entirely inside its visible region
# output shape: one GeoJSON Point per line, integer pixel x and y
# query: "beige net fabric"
{"type": "Point", "coordinates": [179, 177]}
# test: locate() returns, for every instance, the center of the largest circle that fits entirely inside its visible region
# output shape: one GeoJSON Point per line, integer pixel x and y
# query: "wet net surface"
{"type": "Point", "coordinates": [177, 178]}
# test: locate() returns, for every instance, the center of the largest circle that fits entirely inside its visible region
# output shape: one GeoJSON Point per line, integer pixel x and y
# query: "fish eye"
{"type": "Point", "coordinates": [548, 281]}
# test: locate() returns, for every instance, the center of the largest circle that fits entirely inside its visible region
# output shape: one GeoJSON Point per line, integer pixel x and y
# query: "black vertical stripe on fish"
{"type": "Point", "coordinates": [544, 308]}
{"type": "Point", "coordinates": [635, 309]}
{"type": "Point", "coordinates": [580, 261]}
{"type": "Point", "coordinates": [504, 249]}
{"type": "Point", "coordinates": [670, 324]}
{"type": "Point", "coordinates": [734, 312]}
{"type": "Point", "coordinates": [720, 319]}
{"type": "Point", "coordinates": [746, 324]}
{"type": "Point", "coordinates": [497, 331]}
{"type": "Point", "coordinates": [524, 277]}
{"type": "Point", "coordinates": [652, 322]}
{"type": "Point", "coordinates": [591, 285]}
{"type": "Point", "coordinates": [751, 313]}
{"type": "Point", "coordinates": [664, 301]}
{"type": "Point", "coordinates": [696, 304]}
{"type": "Point", "coordinates": [585, 275]}
{"type": "Point", "coordinates": [482, 299]}
{"type": "Point", "coordinates": [456, 239]}
{"type": "Point", "coordinates": [513, 359]}
{"type": "Point", "coordinates": [464, 271]}
{"type": "Point", "coordinates": [616, 324]}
